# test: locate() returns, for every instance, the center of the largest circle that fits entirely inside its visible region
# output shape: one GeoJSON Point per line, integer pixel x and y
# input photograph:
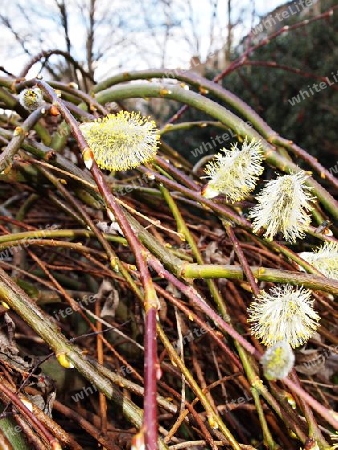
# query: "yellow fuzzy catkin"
{"type": "Point", "coordinates": [31, 99]}
{"type": "Point", "coordinates": [234, 173]}
{"type": "Point", "coordinates": [121, 141]}
{"type": "Point", "coordinates": [278, 361]}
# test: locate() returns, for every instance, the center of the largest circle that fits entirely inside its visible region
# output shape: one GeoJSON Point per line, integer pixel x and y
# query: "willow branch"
{"type": "Point", "coordinates": [150, 297]}
{"type": "Point", "coordinates": [314, 282]}
{"type": "Point", "coordinates": [230, 99]}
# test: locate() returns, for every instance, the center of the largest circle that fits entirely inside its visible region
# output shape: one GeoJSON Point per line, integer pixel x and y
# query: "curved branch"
{"type": "Point", "coordinates": [47, 54]}
{"type": "Point", "coordinates": [230, 99]}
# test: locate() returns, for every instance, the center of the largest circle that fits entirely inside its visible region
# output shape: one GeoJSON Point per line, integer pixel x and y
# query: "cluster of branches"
{"type": "Point", "coordinates": [183, 273]}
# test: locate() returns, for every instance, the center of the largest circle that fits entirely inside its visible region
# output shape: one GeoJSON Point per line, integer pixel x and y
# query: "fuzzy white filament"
{"type": "Point", "coordinates": [278, 361]}
{"type": "Point", "coordinates": [121, 141]}
{"type": "Point", "coordinates": [234, 173]}
{"type": "Point", "coordinates": [283, 206]}
{"type": "Point", "coordinates": [31, 99]}
{"type": "Point", "coordinates": [284, 314]}
{"type": "Point", "coordinates": [325, 259]}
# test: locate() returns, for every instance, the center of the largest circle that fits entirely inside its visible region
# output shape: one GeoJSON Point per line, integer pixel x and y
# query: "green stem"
{"type": "Point", "coordinates": [283, 410]}
{"type": "Point", "coordinates": [314, 431]}
{"type": "Point", "coordinates": [328, 415]}
{"type": "Point", "coordinates": [13, 238]}
{"type": "Point", "coordinates": [261, 273]}
{"type": "Point", "coordinates": [230, 99]}
{"type": "Point", "coordinates": [252, 377]}
{"type": "Point", "coordinates": [184, 230]}
{"type": "Point", "coordinates": [19, 136]}
{"type": "Point", "coordinates": [17, 299]}
{"type": "Point", "coordinates": [214, 419]}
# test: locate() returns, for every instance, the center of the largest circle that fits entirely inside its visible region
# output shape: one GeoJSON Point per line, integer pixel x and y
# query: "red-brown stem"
{"type": "Point", "coordinates": [151, 369]}
{"type": "Point", "coordinates": [27, 413]}
{"type": "Point", "coordinates": [46, 54]}
{"type": "Point", "coordinates": [274, 65]}
{"type": "Point", "coordinates": [180, 175]}
{"type": "Point", "coordinates": [287, 28]}
{"type": "Point", "coordinates": [220, 209]}
{"type": "Point", "coordinates": [150, 298]}
{"type": "Point", "coordinates": [190, 292]}
{"type": "Point", "coordinates": [242, 259]}
{"type": "Point", "coordinates": [325, 413]}
{"type": "Point", "coordinates": [201, 323]}
{"type": "Point", "coordinates": [150, 304]}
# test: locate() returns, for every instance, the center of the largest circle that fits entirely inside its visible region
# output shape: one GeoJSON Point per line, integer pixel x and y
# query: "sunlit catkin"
{"type": "Point", "coordinates": [31, 99]}
{"type": "Point", "coordinates": [234, 173]}
{"type": "Point", "coordinates": [284, 314]}
{"type": "Point", "coordinates": [325, 259]}
{"type": "Point", "coordinates": [278, 361]}
{"type": "Point", "coordinates": [121, 141]}
{"type": "Point", "coordinates": [283, 206]}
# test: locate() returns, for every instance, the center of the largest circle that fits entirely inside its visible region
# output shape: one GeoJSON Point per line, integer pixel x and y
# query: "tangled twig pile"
{"type": "Point", "coordinates": [155, 283]}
